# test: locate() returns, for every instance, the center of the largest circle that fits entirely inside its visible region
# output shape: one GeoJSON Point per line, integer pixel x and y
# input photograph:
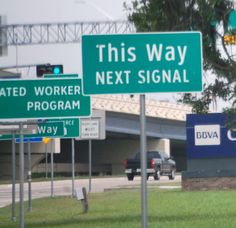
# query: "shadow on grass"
{"type": "Point", "coordinates": [126, 220]}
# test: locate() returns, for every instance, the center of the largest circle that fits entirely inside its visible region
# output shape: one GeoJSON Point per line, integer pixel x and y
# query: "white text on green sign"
{"type": "Point", "coordinates": [71, 127]}
{"type": "Point", "coordinates": [43, 98]}
{"type": "Point", "coordinates": [50, 129]}
{"type": "Point", "coordinates": [139, 63]}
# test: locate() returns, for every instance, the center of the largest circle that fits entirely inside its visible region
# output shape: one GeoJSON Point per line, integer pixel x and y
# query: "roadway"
{"type": "Point", "coordinates": [64, 187]}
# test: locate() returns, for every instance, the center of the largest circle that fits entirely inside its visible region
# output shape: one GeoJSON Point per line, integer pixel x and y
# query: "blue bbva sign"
{"type": "Point", "coordinates": [208, 136]}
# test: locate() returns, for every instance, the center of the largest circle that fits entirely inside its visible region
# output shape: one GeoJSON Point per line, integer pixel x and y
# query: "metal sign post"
{"type": "Point", "coordinates": [13, 128]}
{"type": "Point", "coordinates": [46, 161]}
{"type": "Point", "coordinates": [92, 128]}
{"type": "Point", "coordinates": [143, 160]}
{"type": "Point", "coordinates": [52, 172]}
{"type": "Point", "coordinates": [13, 216]}
{"type": "Point", "coordinates": [73, 165]}
{"type": "Point", "coordinates": [21, 172]}
{"type": "Point", "coordinates": [90, 165]}
{"type": "Point", "coordinates": [29, 177]}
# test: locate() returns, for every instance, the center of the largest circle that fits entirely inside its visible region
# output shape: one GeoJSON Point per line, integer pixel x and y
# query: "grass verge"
{"type": "Point", "coordinates": [166, 208]}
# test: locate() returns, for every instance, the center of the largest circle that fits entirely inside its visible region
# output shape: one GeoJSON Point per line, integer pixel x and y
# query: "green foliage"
{"type": "Point", "coordinates": [231, 118]}
{"type": "Point", "coordinates": [211, 18]}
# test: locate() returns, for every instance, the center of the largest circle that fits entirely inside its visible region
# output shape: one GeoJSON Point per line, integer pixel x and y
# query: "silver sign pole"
{"type": "Point", "coordinates": [13, 216]}
{"type": "Point", "coordinates": [90, 165]}
{"type": "Point", "coordinates": [29, 177]}
{"type": "Point", "coordinates": [73, 165]}
{"type": "Point", "coordinates": [46, 161]}
{"type": "Point", "coordinates": [21, 176]}
{"type": "Point", "coordinates": [143, 160]}
{"type": "Point", "coordinates": [52, 171]}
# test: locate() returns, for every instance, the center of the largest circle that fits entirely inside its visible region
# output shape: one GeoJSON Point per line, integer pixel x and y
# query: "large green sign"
{"type": "Point", "coordinates": [43, 99]}
{"type": "Point", "coordinates": [142, 63]}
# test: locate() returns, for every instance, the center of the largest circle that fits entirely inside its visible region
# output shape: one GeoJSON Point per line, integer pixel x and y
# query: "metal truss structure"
{"type": "Point", "coordinates": [54, 33]}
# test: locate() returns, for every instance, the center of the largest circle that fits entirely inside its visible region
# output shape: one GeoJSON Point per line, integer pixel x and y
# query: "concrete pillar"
{"type": "Point", "coordinates": [164, 144]}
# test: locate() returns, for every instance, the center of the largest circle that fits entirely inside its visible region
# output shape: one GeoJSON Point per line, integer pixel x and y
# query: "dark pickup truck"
{"type": "Point", "coordinates": [158, 164]}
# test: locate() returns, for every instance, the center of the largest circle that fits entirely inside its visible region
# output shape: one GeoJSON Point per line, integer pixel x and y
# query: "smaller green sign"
{"type": "Point", "coordinates": [50, 129]}
{"type": "Point", "coordinates": [71, 127]}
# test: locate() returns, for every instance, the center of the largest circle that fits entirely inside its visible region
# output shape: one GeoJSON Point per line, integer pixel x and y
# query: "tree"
{"type": "Point", "coordinates": [211, 17]}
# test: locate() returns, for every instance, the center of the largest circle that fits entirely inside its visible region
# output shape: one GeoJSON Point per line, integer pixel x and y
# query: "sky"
{"type": "Point", "coordinates": [44, 11]}
{"type": "Point", "coordinates": [52, 11]}
{"type": "Point", "coordinates": [26, 11]}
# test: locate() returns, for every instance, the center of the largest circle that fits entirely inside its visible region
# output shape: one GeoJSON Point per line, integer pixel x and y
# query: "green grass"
{"type": "Point", "coordinates": [121, 209]}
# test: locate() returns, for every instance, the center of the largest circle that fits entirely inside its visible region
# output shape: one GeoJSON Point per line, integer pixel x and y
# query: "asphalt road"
{"type": "Point", "coordinates": [64, 187]}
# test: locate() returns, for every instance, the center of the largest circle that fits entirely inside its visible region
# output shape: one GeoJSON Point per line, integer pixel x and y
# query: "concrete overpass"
{"type": "Point", "coordinates": [165, 131]}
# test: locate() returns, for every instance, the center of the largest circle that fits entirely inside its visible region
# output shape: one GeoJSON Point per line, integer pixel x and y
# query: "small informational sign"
{"type": "Point", "coordinates": [93, 127]}
{"type": "Point", "coordinates": [79, 193]}
{"type": "Point", "coordinates": [90, 129]}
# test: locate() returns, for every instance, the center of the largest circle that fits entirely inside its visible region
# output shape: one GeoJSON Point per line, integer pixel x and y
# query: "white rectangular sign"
{"type": "Point", "coordinates": [90, 129]}
{"type": "Point", "coordinates": [206, 135]}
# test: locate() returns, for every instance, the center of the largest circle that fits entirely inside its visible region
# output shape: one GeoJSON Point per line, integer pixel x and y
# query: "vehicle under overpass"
{"type": "Point", "coordinates": [165, 124]}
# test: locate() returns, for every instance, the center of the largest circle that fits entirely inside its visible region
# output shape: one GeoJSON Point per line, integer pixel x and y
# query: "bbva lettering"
{"type": "Point", "coordinates": [207, 135]}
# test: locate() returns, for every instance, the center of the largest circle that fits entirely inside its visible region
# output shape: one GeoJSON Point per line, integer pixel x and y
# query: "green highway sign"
{"type": "Point", "coordinates": [71, 127]}
{"type": "Point", "coordinates": [43, 99]}
{"type": "Point", "coordinates": [53, 129]}
{"type": "Point", "coordinates": [50, 129]}
{"type": "Point", "coordinates": [142, 63]}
